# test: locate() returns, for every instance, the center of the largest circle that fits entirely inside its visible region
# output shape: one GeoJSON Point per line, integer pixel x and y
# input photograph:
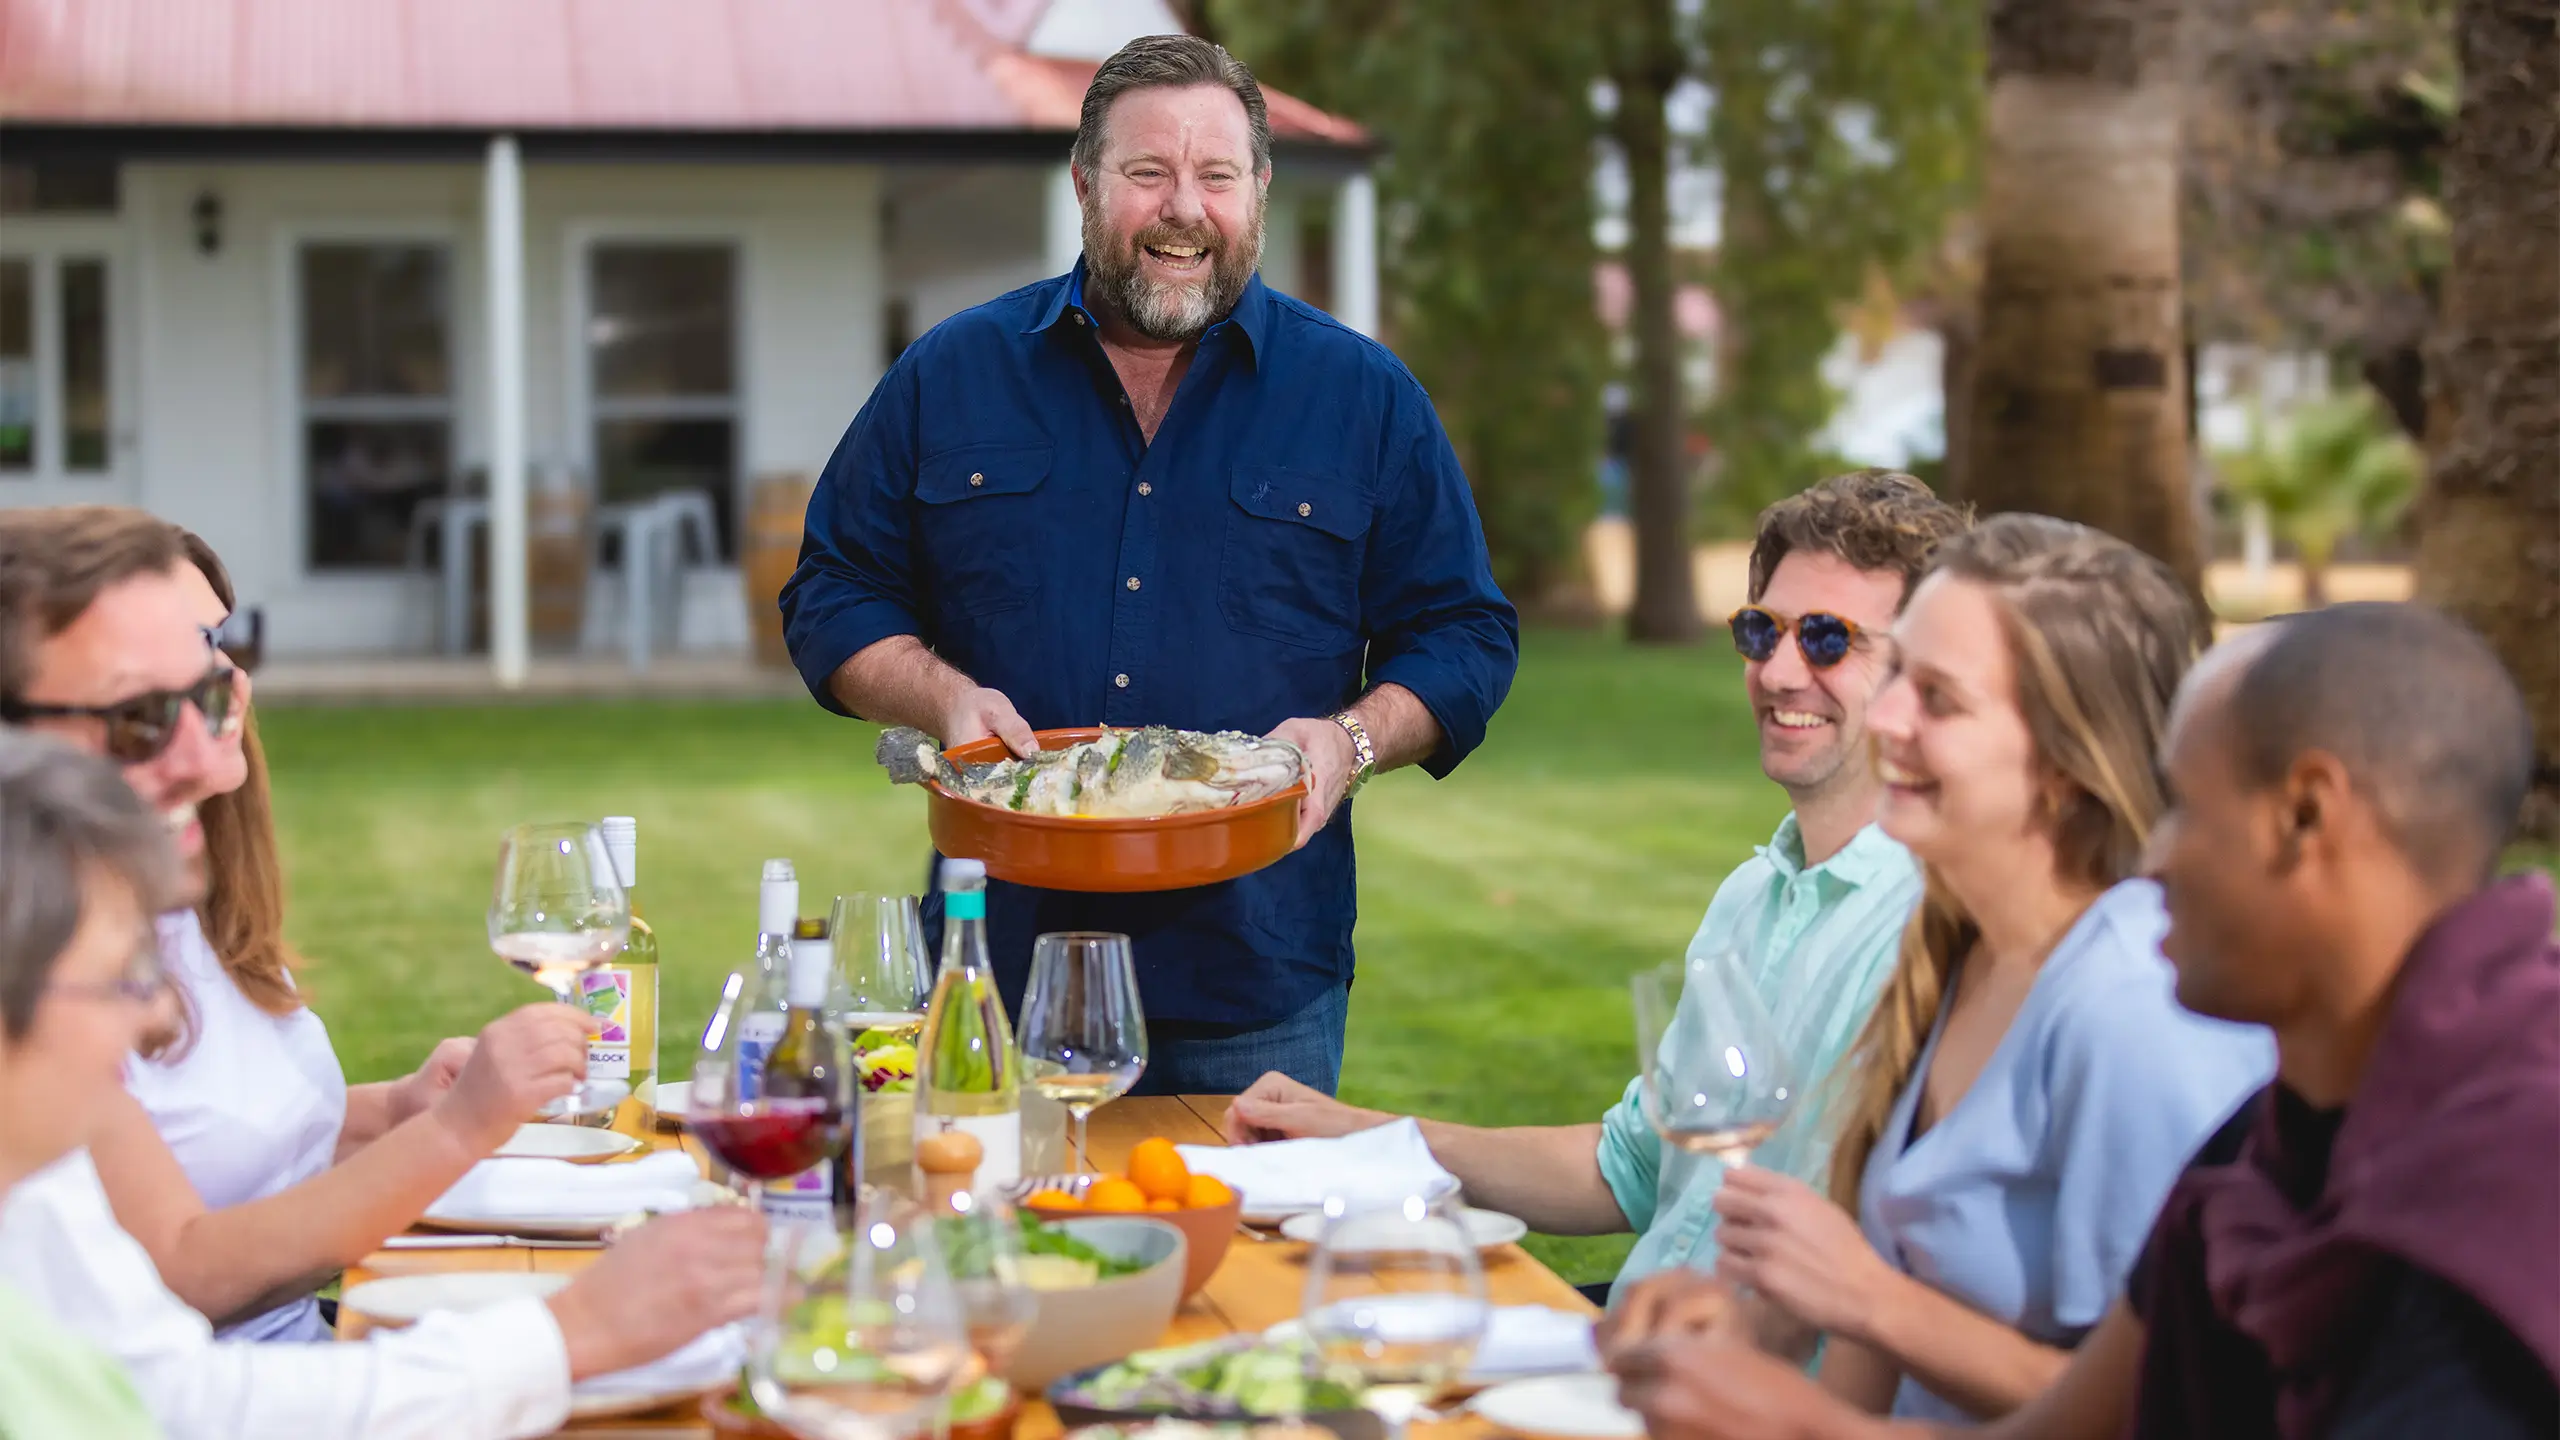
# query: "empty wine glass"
{"type": "Point", "coordinates": [864, 1335]}
{"type": "Point", "coordinates": [1395, 1297]}
{"type": "Point", "coordinates": [559, 911]}
{"type": "Point", "coordinates": [881, 963]}
{"type": "Point", "coordinates": [1717, 1076]}
{"type": "Point", "coordinates": [1083, 1037]}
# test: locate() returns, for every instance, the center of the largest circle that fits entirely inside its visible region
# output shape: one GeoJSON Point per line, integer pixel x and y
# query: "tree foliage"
{"type": "Point", "coordinates": [1482, 109]}
{"type": "Point", "coordinates": [2332, 470]}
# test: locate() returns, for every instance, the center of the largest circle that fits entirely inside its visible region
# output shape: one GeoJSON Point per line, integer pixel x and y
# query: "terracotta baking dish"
{"type": "Point", "coordinates": [1068, 852]}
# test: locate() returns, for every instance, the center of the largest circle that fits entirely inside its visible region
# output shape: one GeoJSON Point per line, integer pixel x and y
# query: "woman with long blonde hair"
{"type": "Point", "coordinates": [2027, 1088]}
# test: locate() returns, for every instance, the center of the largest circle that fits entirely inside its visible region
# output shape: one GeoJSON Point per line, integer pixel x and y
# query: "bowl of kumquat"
{"type": "Point", "coordinates": [1159, 1186]}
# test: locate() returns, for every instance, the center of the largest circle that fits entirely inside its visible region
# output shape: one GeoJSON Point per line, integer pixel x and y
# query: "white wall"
{"type": "Point", "coordinates": [218, 444]}
{"type": "Point", "coordinates": [962, 235]}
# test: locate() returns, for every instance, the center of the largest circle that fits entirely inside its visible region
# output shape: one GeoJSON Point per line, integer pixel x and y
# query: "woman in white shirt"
{"type": "Point", "coordinates": [245, 1163]}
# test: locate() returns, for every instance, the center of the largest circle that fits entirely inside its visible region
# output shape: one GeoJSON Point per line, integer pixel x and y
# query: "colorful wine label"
{"type": "Point", "coordinates": [807, 1198]}
{"type": "Point", "coordinates": [756, 1039]}
{"type": "Point", "coordinates": [606, 995]}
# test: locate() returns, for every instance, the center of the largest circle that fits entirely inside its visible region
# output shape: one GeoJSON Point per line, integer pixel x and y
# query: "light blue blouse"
{"type": "Point", "coordinates": [2031, 1196]}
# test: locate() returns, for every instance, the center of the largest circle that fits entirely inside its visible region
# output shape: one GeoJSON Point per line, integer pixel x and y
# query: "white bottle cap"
{"type": "Point", "coordinates": [960, 874]}
{"type": "Point", "coordinates": [622, 842]}
{"type": "Point", "coordinates": [777, 899]}
{"type": "Point", "coordinates": [813, 964]}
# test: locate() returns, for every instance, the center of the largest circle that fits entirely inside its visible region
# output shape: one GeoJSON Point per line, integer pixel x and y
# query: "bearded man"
{"type": "Point", "coordinates": [1155, 491]}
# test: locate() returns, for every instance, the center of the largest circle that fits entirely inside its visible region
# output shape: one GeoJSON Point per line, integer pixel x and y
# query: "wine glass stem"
{"type": "Point", "coordinates": [1082, 1113]}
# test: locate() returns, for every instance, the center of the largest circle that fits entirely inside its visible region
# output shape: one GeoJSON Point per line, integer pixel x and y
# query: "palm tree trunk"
{"type": "Point", "coordinates": [2489, 525]}
{"type": "Point", "coordinates": [2078, 405]}
{"type": "Point", "coordinates": [1666, 603]}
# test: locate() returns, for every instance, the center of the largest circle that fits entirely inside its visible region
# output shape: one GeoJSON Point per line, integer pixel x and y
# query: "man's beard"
{"type": "Point", "coordinates": [1177, 310]}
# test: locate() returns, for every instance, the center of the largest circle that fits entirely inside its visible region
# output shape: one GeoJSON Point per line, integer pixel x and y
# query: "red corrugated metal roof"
{"type": "Point", "coordinates": [833, 65]}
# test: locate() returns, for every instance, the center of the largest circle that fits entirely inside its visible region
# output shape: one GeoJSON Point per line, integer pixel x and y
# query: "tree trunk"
{"type": "Point", "coordinates": [2489, 525]}
{"type": "Point", "coordinates": [2078, 406]}
{"type": "Point", "coordinates": [1666, 602]}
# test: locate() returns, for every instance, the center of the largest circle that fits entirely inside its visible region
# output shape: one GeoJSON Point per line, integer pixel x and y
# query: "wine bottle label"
{"type": "Point", "coordinates": [785, 1203]}
{"type": "Point", "coordinates": [999, 1135]}
{"type": "Point", "coordinates": [606, 996]}
{"type": "Point", "coordinates": [757, 1036]}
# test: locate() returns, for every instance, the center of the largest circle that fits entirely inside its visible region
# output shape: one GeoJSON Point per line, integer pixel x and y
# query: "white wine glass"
{"type": "Point", "coordinates": [1395, 1299]}
{"type": "Point", "coordinates": [881, 965]}
{"type": "Point", "coordinates": [559, 911]}
{"type": "Point", "coordinates": [1083, 1037]}
{"type": "Point", "coordinates": [1718, 1077]}
{"type": "Point", "coordinates": [863, 1335]}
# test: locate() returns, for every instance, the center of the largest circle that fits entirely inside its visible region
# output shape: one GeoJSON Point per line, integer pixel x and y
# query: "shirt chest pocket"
{"type": "Point", "coordinates": [978, 526]}
{"type": "Point", "coordinates": [1296, 542]}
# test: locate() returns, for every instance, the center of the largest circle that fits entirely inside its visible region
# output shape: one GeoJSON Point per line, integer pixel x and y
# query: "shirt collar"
{"type": "Point", "coordinates": [1868, 854]}
{"type": "Point", "coordinates": [1251, 316]}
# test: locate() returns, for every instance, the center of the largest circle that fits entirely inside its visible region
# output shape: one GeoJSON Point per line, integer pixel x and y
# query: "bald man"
{"type": "Point", "coordinates": [2371, 1246]}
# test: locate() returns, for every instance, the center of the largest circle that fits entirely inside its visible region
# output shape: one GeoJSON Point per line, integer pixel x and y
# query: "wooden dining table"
{"type": "Point", "coordinates": [1257, 1285]}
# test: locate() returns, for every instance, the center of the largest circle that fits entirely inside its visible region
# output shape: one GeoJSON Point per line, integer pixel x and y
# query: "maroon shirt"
{"type": "Point", "coordinates": [2394, 1266]}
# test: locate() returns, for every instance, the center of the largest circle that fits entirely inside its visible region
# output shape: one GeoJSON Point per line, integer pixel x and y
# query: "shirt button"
{"type": "Point", "coordinates": [1305, 509]}
{"type": "Point", "coordinates": [1133, 582]}
{"type": "Point", "coordinates": [1124, 402]}
{"type": "Point", "coordinates": [1079, 317]}
{"type": "Point", "coordinates": [1145, 489]}
{"type": "Point", "coordinates": [1121, 681]}
{"type": "Point", "coordinates": [982, 479]}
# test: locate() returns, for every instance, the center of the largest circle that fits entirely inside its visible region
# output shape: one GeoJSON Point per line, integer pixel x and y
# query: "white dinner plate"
{"type": "Point", "coordinates": [1269, 1216]}
{"type": "Point", "coordinates": [1560, 1407]}
{"type": "Point", "coordinates": [404, 1299]}
{"type": "Point", "coordinates": [1489, 1229]}
{"type": "Point", "coordinates": [548, 1227]}
{"type": "Point", "coordinates": [576, 1144]}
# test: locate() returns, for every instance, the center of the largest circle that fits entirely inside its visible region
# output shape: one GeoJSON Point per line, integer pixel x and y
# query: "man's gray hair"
{"type": "Point", "coordinates": [1169, 60]}
{"type": "Point", "coordinates": [63, 816]}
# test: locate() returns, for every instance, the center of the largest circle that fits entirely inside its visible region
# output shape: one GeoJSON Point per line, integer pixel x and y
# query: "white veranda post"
{"type": "Point", "coordinates": [502, 213]}
{"type": "Point", "coordinates": [1355, 254]}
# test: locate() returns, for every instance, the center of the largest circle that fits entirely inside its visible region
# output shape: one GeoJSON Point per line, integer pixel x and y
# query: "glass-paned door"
{"type": "Point", "coordinates": [662, 372]}
{"type": "Point", "coordinates": [376, 396]}
{"type": "Point", "coordinates": [63, 426]}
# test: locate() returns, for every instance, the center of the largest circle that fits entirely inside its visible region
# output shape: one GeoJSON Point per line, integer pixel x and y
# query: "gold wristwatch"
{"type": "Point", "coordinates": [1364, 755]}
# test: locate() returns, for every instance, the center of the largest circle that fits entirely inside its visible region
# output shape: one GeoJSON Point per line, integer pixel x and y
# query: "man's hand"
{"type": "Point", "coordinates": [1279, 1108]}
{"type": "Point", "coordinates": [1330, 760]}
{"type": "Point", "coordinates": [413, 1093]}
{"type": "Point", "coordinates": [979, 712]}
{"type": "Point", "coordinates": [525, 1060]}
{"type": "Point", "coordinates": [1786, 1241]}
{"type": "Point", "coordinates": [660, 1286]}
{"type": "Point", "coordinates": [1674, 1304]}
{"type": "Point", "coordinates": [1708, 1387]}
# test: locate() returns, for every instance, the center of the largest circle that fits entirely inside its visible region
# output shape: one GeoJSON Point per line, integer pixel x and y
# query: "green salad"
{"type": "Point", "coordinates": [968, 1249]}
{"type": "Point", "coordinates": [1240, 1377]}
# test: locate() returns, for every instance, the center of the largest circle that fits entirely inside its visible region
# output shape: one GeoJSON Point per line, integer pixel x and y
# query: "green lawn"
{"type": "Point", "coordinates": [1500, 910]}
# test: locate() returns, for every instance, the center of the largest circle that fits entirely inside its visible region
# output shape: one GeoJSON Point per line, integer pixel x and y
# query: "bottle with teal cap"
{"type": "Point", "coordinates": [966, 1069]}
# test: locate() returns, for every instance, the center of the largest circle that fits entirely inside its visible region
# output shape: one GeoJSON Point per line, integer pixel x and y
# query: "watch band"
{"type": "Point", "coordinates": [1364, 755]}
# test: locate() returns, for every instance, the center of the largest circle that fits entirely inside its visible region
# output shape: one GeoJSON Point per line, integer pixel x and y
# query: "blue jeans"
{"type": "Point", "coordinates": [1188, 1059]}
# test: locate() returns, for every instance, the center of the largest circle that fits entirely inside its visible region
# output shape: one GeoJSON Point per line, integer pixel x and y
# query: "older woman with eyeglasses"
{"type": "Point", "coordinates": [83, 867]}
{"type": "Point", "coordinates": [242, 1160]}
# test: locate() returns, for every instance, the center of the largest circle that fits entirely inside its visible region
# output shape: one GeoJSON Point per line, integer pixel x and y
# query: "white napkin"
{"type": "Point", "coordinates": [1534, 1340]}
{"type": "Point", "coordinates": [1367, 1167]}
{"type": "Point", "coordinates": [558, 1190]}
{"type": "Point", "coordinates": [711, 1358]}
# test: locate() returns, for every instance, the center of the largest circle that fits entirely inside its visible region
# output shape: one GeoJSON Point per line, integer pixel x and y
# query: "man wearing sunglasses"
{"type": "Point", "coordinates": [102, 643]}
{"type": "Point", "coordinates": [1814, 917]}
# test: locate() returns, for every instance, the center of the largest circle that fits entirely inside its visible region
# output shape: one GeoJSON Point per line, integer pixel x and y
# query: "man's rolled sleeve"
{"type": "Point", "coordinates": [1438, 624]}
{"type": "Point", "coordinates": [1631, 1158]}
{"type": "Point", "coordinates": [855, 585]}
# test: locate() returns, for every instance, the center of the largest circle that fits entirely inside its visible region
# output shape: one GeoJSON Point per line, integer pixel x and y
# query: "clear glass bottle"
{"type": "Point", "coordinates": [623, 996]}
{"type": "Point", "coordinates": [967, 1073]}
{"type": "Point", "coordinates": [766, 995]}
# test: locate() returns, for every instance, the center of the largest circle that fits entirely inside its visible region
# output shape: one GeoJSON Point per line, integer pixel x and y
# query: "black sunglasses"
{"type": "Point", "coordinates": [137, 730]}
{"type": "Point", "coordinates": [1826, 639]}
{"type": "Point", "coordinates": [241, 637]}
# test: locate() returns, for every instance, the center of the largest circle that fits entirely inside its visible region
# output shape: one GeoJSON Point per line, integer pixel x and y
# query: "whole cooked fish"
{"type": "Point", "coordinates": [1125, 773]}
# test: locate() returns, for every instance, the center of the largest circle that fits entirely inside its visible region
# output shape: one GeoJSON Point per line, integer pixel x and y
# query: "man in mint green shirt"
{"type": "Point", "coordinates": [1815, 917]}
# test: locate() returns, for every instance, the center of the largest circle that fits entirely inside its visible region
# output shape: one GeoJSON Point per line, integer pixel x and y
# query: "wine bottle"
{"type": "Point", "coordinates": [623, 996]}
{"type": "Point", "coordinates": [811, 1062]}
{"type": "Point", "coordinates": [966, 1076]}
{"type": "Point", "coordinates": [766, 996]}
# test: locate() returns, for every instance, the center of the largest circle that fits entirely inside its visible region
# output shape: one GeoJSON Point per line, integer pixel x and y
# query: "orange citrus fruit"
{"type": "Point", "coordinates": [1164, 1204]}
{"type": "Point", "coordinates": [1207, 1192]}
{"type": "Point", "coordinates": [1114, 1195]}
{"type": "Point", "coordinates": [1051, 1200]}
{"type": "Point", "coordinates": [1155, 1167]}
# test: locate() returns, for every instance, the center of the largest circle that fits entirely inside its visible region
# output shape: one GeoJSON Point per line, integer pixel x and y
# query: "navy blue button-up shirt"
{"type": "Point", "coordinates": [1298, 529]}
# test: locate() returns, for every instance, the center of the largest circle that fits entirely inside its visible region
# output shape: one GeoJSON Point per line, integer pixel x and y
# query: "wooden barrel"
{"type": "Point", "coordinates": [768, 551]}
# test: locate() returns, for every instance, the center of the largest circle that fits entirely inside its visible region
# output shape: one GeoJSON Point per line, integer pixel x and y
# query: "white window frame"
{"type": "Point", "coordinates": [296, 414]}
{"type": "Point", "coordinates": [586, 410]}
{"type": "Point", "coordinates": [44, 244]}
